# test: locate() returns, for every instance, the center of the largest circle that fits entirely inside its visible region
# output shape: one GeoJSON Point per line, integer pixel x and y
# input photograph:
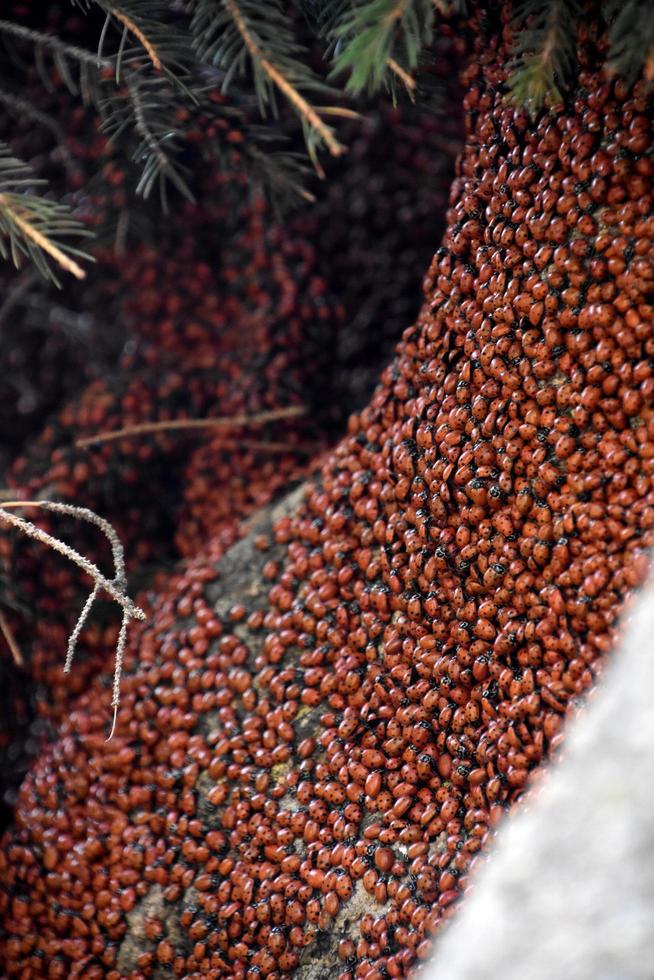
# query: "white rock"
{"type": "Point", "coordinates": [568, 890]}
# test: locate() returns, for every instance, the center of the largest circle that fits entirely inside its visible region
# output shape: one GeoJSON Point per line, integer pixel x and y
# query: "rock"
{"type": "Point", "coordinates": [568, 889]}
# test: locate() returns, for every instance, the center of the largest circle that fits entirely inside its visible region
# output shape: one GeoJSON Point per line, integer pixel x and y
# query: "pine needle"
{"type": "Point", "coordinates": [34, 226]}
{"type": "Point", "coordinates": [147, 108]}
{"type": "Point", "coordinates": [303, 107]}
{"type": "Point", "coordinates": [250, 38]}
{"type": "Point", "coordinates": [543, 51]}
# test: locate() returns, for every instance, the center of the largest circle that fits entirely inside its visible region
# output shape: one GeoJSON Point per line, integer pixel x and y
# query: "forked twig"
{"type": "Point", "coordinates": [115, 587]}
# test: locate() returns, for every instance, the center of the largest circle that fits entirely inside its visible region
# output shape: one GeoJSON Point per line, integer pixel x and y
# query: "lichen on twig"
{"type": "Point", "coordinates": [114, 587]}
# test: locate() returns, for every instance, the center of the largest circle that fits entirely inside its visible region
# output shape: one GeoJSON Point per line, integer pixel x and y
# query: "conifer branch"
{"type": "Point", "coordinates": [149, 115]}
{"type": "Point", "coordinates": [278, 171]}
{"type": "Point", "coordinates": [33, 226]}
{"type": "Point", "coordinates": [62, 53]}
{"type": "Point", "coordinates": [144, 107]}
{"type": "Point", "coordinates": [543, 51]}
{"type": "Point", "coordinates": [237, 34]}
{"type": "Point", "coordinates": [631, 38]}
{"type": "Point", "coordinates": [378, 39]}
{"type": "Point", "coordinates": [304, 108]}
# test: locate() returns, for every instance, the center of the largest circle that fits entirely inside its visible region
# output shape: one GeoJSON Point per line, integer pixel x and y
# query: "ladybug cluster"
{"type": "Point", "coordinates": [322, 724]}
{"type": "Point", "coordinates": [256, 316]}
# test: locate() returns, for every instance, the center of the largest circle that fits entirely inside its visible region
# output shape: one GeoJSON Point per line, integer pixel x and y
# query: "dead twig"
{"type": "Point", "coordinates": [172, 425]}
{"type": "Point", "coordinates": [115, 587]}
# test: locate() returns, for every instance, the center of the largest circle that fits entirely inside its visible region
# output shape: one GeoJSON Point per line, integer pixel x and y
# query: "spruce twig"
{"type": "Point", "coordinates": [377, 40]}
{"type": "Point", "coordinates": [543, 52]}
{"type": "Point", "coordinates": [23, 108]}
{"type": "Point", "coordinates": [154, 130]}
{"type": "Point", "coordinates": [631, 38]}
{"type": "Point", "coordinates": [88, 64]}
{"type": "Point", "coordinates": [166, 46]}
{"type": "Point", "coordinates": [144, 106]}
{"type": "Point", "coordinates": [34, 226]}
{"type": "Point", "coordinates": [19, 218]}
{"type": "Point", "coordinates": [237, 34]}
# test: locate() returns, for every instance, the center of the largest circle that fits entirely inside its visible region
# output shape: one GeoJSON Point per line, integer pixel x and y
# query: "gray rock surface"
{"type": "Point", "coordinates": [568, 889]}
